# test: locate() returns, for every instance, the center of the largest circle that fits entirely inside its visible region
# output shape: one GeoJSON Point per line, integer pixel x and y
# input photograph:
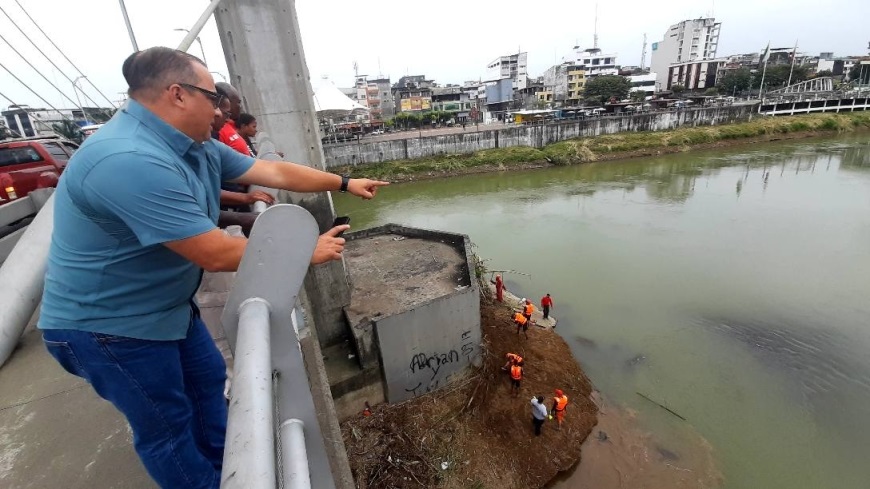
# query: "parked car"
{"type": "Point", "coordinates": [89, 130]}
{"type": "Point", "coordinates": [28, 164]}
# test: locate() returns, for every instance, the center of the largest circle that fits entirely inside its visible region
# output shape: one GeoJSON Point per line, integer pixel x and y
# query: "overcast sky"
{"type": "Point", "coordinates": [449, 41]}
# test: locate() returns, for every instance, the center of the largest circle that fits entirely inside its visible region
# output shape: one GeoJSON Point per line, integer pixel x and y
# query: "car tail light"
{"type": "Point", "coordinates": [8, 186]}
{"type": "Point", "coordinates": [47, 179]}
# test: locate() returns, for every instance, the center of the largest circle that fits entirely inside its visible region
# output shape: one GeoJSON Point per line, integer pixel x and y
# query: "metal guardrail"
{"type": "Point", "coordinates": [22, 275]}
{"type": "Point", "coordinates": [14, 218]}
{"type": "Point", "coordinates": [270, 384]}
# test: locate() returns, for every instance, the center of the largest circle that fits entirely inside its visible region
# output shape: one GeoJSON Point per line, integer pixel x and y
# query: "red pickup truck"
{"type": "Point", "coordinates": [28, 164]}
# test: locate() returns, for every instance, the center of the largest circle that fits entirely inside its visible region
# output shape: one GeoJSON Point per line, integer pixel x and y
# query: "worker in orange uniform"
{"type": "Point", "coordinates": [499, 288]}
{"type": "Point", "coordinates": [560, 402]}
{"type": "Point", "coordinates": [522, 323]}
{"type": "Point", "coordinates": [516, 377]}
{"type": "Point", "coordinates": [528, 309]}
{"type": "Point", "coordinates": [512, 358]}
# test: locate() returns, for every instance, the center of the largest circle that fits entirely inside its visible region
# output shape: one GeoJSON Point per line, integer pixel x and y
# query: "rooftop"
{"type": "Point", "coordinates": [392, 272]}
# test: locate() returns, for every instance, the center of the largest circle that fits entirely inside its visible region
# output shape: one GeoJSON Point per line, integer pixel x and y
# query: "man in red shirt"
{"type": "Point", "coordinates": [228, 134]}
{"type": "Point", "coordinates": [546, 304]}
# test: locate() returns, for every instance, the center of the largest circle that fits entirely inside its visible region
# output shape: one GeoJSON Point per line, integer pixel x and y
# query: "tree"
{"type": "Point", "coordinates": [69, 130]}
{"type": "Point", "coordinates": [5, 133]}
{"type": "Point", "coordinates": [856, 72]}
{"type": "Point", "coordinates": [711, 92]}
{"type": "Point", "coordinates": [602, 88]}
{"type": "Point", "coordinates": [824, 73]}
{"type": "Point", "coordinates": [777, 76]}
{"type": "Point", "coordinates": [736, 81]}
{"type": "Point", "coordinates": [638, 96]}
{"type": "Point", "coordinates": [678, 89]}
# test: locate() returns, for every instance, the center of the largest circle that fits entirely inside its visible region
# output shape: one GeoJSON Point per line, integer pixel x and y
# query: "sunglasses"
{"type": "Point", "coordinates": [213, 96]}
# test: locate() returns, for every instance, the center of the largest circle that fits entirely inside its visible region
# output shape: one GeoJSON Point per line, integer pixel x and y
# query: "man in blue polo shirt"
{"type": "Point", "coordinates": [134, 226]}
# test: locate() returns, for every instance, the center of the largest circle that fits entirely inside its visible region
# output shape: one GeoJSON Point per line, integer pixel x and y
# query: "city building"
{"type": "Point", "coordinates": [413, 94]}
{"type": "Point", "coordinates": [453, 99]}
{"type": "Point", "coordinates": [643, 83]}
{"type": "Point", "coordinates": [499, 98]}
{"type": "Point", "coordinates": [694, 75]}
{"type": "Point", "coordinates": [594, 61]}
{"type": "Point", "coordinates": [839, 66]}
{"type": "Point", "coordinates": [688, 41]}
{"type": "Point", "coordinates": [29, 122]}
{"type": "Point", "coordinates": [376, 95]}
{"type": "Point", "coordinates": [565, 83]}
{"type": "Point", "coordinates": [513, 67]}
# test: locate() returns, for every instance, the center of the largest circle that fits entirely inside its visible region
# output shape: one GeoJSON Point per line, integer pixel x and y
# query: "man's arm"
{"type": "Point", "coordinates": [239, 198]}
{"type": "Point", "coordinates": [215, 251]}
{"type": "Point", "coordinates": [301, 178]}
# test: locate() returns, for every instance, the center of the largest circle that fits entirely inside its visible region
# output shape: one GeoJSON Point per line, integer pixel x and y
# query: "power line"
{"type": "Point", "coordinates": [40, 74]}
{"type": "Point", "coordinates": [34, 92]}
{"type": "Point", "coordinates": [42, 53]}
{"type": "Point", "coordinates": [59, 50]}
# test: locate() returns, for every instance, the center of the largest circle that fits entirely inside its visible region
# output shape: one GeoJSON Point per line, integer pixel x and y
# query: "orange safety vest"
{"type": "Point", "coordinates": [561, 402]}
{"type": "Point", "coordinates": [516, 372]}
{"type": "Point", "coordinates": [520, 318]}
{"type": "Point", "coordinates": [529, 309]}
{"type": "Point", "coordinates": [514, 357]}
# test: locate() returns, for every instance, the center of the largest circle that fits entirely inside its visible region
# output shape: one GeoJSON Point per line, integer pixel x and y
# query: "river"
{"type": "Point", "coordinates": [730, 286]}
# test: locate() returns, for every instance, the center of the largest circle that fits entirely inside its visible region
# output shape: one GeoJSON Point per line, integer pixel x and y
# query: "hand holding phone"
{"type": "Point", "coordinates": [340, 221]}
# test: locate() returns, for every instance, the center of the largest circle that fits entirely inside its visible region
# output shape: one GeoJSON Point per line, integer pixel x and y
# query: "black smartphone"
{"type": "Point", "coordinates": [340, 220]}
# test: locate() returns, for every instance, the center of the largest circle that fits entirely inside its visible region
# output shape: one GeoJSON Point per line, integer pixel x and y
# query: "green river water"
{"type": "Point", "coordinates": [730, 285]}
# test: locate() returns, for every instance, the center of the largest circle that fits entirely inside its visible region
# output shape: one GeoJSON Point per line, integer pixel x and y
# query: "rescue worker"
{"type": "Point", "coordinates": [516, 377]}
{"type": "Point", "coordinates": [522, 323]}
{"type": "Point", "coordinates": [560, 402]}
{"type": "Point", "coordinates": [512, 358]}
{"type": "Point", "coordinates": [528, 309]}
{"type": "Point", "coordinates": [499, 288]}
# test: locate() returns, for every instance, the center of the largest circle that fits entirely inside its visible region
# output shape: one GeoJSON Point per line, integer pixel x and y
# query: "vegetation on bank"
{"type": "Point", "coordinates": [583, 150]}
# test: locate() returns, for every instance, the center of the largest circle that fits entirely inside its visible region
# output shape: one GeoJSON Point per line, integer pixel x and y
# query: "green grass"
{"type": "Point", "coordinates": [582, 150]}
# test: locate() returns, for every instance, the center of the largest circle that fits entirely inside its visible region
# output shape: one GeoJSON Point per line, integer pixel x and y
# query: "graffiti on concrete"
{"type": "Point", "coordinates": [427, 371]}
{"type": "Point", "coordinates": [434, 362]}
{"type": "Point", "coordinates": [467, 345]}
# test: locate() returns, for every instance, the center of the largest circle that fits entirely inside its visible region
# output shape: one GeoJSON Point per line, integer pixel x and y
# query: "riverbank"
{"type": "Point", "coordinates": [473, 434]}
{"type": "Point", "coordinates": [612, 147]}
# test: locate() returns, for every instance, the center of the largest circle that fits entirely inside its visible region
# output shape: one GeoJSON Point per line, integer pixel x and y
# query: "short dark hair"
{"type": "Point", "coordinates": [157, 68]}
{"type": "Point", "coordinates": [541, 399]}
{"type": "Point", "coordinates": [245, 119]}
{"type": "Point", "coordinates": [227, 90]}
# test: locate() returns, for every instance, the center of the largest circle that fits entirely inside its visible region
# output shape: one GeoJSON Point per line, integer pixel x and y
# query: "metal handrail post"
{"type": "Point", "coordinates": [250, 429]}
{"type": "Point", "coordinates": [294, 456]}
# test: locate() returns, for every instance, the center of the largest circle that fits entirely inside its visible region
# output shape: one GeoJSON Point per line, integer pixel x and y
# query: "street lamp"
{"type": "Point", "coordinates": [197, 40]}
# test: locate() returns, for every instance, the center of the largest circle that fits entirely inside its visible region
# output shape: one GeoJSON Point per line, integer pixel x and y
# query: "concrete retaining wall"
{"type": "Point", "coordinates": [425, 348]}
{"type": "Point", "coordinates": [535, 136]}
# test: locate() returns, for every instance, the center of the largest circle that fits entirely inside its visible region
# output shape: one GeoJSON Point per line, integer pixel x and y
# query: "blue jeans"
{"type": "Point", "coordinates": [170, 391]}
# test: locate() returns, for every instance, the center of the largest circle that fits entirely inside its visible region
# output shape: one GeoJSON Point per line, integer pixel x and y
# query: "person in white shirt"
{"type": "Point", "coordinates": [539, 413]}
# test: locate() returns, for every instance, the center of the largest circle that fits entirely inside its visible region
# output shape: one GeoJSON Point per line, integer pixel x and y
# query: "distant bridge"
{"type": "Point", "coordinates": [816, 85]}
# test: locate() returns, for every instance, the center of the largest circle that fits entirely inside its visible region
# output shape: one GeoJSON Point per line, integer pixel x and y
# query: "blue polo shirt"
{"type": "Point", "coordinates": [134, 185]}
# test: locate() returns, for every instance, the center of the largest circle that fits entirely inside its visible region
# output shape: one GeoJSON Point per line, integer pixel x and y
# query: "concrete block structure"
{"type": "Point", "coordinates": [415, 310]}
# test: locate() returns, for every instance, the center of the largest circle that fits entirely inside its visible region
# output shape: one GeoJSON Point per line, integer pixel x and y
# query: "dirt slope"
{"type": "Point", "coordinates": [473, 434]}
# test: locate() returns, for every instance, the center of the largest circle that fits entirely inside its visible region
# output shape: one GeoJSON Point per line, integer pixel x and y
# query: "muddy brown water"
{"type": "Point", "coordinates": [729, 286]}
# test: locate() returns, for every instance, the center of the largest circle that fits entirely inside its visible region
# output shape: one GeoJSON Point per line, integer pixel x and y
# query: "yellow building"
{"type": "Point", "coordinates": [576, 84]}
{"type": "Point", "coordinates": [545, 96]}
